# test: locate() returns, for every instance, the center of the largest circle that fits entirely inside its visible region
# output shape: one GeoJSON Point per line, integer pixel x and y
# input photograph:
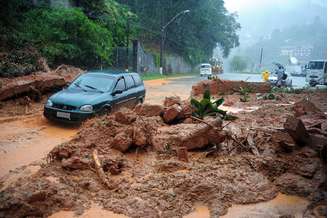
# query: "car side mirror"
{"type": "Point", "coordinates": [117, 92]}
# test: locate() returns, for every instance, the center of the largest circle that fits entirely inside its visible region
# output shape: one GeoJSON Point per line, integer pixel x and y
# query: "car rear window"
{"type": "Point", "coordinates": [129, 82]}
{"type": "Point", "coordinates": [137, 80]}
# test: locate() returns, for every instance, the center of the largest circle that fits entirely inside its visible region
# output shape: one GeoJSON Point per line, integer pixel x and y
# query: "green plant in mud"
{"type": "Point", "coordinates": [207, 107]}
{"type": "Point", "coordinates": [244, 92]}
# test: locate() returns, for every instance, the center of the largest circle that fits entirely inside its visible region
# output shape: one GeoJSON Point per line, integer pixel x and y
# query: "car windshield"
{"type": "Point", "coordinates": [316, 65]}
{"type": "Point", "coordinates": [205, 66]}
{"type": "Point", "coordinates": [89, 82]}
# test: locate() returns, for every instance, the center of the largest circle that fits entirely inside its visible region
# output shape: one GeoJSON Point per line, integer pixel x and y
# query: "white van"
{"type": "Point", "coordinates": [206, 70]}
{"type": "Point", "coordinates": [316, 72]}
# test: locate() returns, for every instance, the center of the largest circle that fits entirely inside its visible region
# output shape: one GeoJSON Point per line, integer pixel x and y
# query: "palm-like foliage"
{"type": "Point", "coordinates": [206, 107]}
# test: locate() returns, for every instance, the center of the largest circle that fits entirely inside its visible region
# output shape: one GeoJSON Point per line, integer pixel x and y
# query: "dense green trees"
{"type": "Point", "coordinates": [66, 35]}
{"type": "Point", "coordinates": [238, 64]}
{"type": "Point", "coordinates": [194, 35]}
{"type": "Point", "coordinates": [84, 32]}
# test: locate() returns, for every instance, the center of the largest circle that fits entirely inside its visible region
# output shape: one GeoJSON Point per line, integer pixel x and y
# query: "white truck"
{"type": "Point", "coordinates": [206, 70]}
{"type": "Point", "coordinates": [316, 72]}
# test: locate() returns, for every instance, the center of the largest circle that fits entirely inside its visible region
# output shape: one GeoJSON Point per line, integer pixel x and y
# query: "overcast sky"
{"type": "Point", "coordinates": [241, 6]}
{"type": "Point", "coordinates": [258, 18]}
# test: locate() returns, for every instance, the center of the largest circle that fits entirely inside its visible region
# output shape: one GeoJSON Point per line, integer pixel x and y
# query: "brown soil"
{"type": "Point", "coordinates": [155, 184]}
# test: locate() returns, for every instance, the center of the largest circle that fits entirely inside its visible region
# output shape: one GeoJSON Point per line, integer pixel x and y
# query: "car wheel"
{"type": "Point", "coordinates": [141, 100]}
{"type": "Point", "coordinates": [106, 110]}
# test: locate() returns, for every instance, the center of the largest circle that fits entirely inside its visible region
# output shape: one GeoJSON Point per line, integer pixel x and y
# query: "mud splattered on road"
{"type": "Point", "coordinates": [29, 139]}
{"type": "Point", "coordinates": [281, 205]}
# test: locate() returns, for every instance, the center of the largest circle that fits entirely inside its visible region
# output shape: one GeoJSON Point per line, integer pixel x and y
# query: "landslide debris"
{"type": "Point", "coordinates": [155, 168]}
{"type": "Point", "coordinates": [37, 83]}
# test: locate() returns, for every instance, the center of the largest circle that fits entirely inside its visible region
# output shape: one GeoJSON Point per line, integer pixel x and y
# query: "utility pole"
{"type": "Point", "coordinates": [261, 58]}
{"type": "Point", "coordinates": [163, 37]}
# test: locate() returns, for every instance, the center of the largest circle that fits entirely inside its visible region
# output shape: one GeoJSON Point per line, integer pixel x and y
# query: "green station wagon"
{"type": "Point", "coordinates": [93, 93]}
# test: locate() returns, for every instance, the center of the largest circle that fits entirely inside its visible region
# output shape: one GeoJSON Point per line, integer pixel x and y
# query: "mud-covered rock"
{"type": "Point", "coordinates": [172, 113]}
{"type": "Point", "coordinates": [125, 116]}
{"type": "Point", "coordinates": [122, 141]}
{"type": "Point", "coordinates": [75, 163]}
{"type": "Point", "coordinates": [296, 130]}
{"type": "Point", "coordinates": [172, 100]}
{"type": "Point", "coordinates": [295, 185]}
{"type": "Point", "coordinates": [306, 166]}
{"type": "Point", "coordinates": [305, 107]}
{"type": "Point", "coordinates": [191, 136]}
{"type": "Point", "coordinates": [148, 110]}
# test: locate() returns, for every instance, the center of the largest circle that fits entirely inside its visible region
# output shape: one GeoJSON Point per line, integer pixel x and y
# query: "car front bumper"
{"type": "Point", "coordinates": [75, 116]}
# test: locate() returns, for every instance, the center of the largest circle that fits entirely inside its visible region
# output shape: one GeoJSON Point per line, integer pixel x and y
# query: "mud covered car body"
{"type": "Point", "coordinates": [93, 93]}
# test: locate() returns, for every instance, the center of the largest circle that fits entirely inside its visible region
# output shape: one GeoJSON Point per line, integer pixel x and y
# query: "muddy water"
{"type": "Point", "coordinates": [26, 140]}
{"type": "Point", "coordinates": [94, 212]}
{"type": "Point", "coordinates": [281, 205]}
{"type": "Point", "coordinates": [158, 89]}
{"type": "Point", "coordinates": [201, 211]}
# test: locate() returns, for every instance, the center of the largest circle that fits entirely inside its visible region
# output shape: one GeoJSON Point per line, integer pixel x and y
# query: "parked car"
{"type": "Point", "coordinates": [316, 72]}
{"type": "Point", "coordinates": [93, 93]}
{"type": "Point", "coordinates": [205, 70]}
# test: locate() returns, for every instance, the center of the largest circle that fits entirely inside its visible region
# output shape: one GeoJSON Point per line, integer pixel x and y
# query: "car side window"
{"type": "Point", "coordinates": [120, 85]}
{"type": "Point", "coordinates": [129, 82]}
{"type": "Point", "coordinates": [137, 80]}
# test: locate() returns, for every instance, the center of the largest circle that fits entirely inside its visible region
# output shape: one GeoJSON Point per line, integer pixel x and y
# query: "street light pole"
{"type": "Point", "coordinates": [163, 37]}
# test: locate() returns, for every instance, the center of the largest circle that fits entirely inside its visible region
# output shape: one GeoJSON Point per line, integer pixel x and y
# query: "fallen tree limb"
{"type": "Point", "coordinates": [99, 170]}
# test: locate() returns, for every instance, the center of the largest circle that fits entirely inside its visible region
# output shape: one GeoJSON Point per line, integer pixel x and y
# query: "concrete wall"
{"type": "Point", "coordinates": [176, 64]}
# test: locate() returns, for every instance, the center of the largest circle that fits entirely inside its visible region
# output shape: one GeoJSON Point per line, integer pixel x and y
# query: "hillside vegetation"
{"type": "Point", "coordinates": [84, 32]}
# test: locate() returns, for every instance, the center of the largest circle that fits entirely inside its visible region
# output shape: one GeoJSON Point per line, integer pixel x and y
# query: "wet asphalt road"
{"type": "Point", "coordinates": [298, 82]}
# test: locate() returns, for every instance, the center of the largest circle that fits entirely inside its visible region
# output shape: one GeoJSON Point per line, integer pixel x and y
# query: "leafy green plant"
{"type": "Point", "coordinates": [207, 107]}
{"type": "Point", "coordinates": [244, 92]}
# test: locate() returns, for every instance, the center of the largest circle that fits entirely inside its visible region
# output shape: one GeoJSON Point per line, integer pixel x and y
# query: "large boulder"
{"type": "Point", "coordinates": [122, 141]}
{"type": "Point", "coordinates": [148, 110]}
{"type": "Point", "coordinates": [172, 100]}
{"type": "Point", "coordinates": [125, 116]}
{"type": "Point", "coordinates": [172, 113]}
{"type": "Point", "coordinates": [191, 136]}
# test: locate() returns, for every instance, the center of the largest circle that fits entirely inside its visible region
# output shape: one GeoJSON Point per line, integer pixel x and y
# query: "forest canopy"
{"type": "Point", "coordinates": [73, 31]}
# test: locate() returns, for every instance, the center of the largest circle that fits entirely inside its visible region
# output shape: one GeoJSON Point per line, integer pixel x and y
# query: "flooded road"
{"type": "Point", "coordinates": [282, 205]}
{"type": "Point", "coordinates": [29, 139]}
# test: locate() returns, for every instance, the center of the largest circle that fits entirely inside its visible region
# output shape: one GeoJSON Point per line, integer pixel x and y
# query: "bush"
{"type": "Point", "coordinates": [66, 36]}
{"type": "Point", "coordinates": [238, 64]}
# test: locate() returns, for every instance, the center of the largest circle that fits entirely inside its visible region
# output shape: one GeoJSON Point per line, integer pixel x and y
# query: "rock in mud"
{"type": "Point", "coordinates": [172, 100]}
{"type": "Point", "coordinates": [148, 110]}
{"type": "Point", "coordinates": [125, 116]}
{"type": "Point", "coordinates": [295, 185]}
{"type": "Point", "coordinates": [296, 130]}
{"type": "Point", "coordinates": [75, 163]}
{"type": "Point", "coordinates": [122, 141]}
{"type": "Point", "coordinates": [306, 166]}
{"type": "Point", "coordinates": [305, 107]}
{"type": "Point", "coordinates": [191, 136]}
{"type": "Point", "coordinates": [172, 113]}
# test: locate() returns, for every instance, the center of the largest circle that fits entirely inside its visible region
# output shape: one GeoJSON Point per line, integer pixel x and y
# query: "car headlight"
{"type": "Point", "coordinates": [49, 103]}
{"type": "Point", "coordinates": [86, 108]}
